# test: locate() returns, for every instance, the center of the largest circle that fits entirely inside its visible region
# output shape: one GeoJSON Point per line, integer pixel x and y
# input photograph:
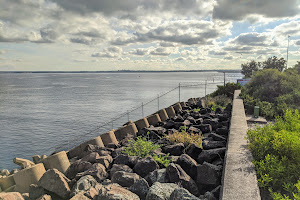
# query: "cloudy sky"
{"type": "Point", "coordinates": [37, 35]}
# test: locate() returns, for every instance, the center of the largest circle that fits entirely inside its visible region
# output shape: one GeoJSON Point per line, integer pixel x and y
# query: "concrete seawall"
{"type": "Point", "coordinates": [239, 176]}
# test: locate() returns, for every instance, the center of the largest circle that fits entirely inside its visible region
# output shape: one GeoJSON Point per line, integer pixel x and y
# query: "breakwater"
{"type": "Point", "coordinates": [99, 169]}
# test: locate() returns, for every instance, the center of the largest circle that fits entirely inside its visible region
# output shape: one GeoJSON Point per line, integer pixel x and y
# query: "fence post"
{"type": "Point", "coordinates": [179, 91]}
{"type": "Point", "coordinates": [143, 109]}
{"type": "Point", "coordinates": [205, 87]}
{"type": "Point", "coordinates": [112, 124]}
{"type": "Point", "coordinates": [224, 79]}
{"type": "Point", "coordinates": [128, 115]}
{"type": "Point", "coordinates": [158, 102]}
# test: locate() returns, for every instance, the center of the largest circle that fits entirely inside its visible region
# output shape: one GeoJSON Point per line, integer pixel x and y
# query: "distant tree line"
{"type": "Point", "coordinates": [250, 68]}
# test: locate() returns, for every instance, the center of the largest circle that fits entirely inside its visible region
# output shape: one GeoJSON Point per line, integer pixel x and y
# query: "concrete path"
{"type": "Point", "coordinates": [239, 177]}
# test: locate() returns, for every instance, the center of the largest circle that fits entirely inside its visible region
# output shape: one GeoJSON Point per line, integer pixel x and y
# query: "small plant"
{"type": "Point", "coordinates": [185, 138]}
{"type": "Point", "coordinates": [163, 160]}
{"type": "Point", "coordinates": [140, 147]}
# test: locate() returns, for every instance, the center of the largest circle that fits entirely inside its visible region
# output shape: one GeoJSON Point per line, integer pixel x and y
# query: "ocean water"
{"type": "Point", "coordinates": [43, 112]}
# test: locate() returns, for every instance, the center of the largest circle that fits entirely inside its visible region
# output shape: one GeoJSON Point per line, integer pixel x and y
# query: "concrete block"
{"type": "Point", "coordinates": [163, 115]}
{"type": "Point", "coordinates": [183, 104]}
{"type": "Point", "coordinates": [153, 119]}
{"type": "Point", "coordinates": [109, 137]}
{"type": "Point", "coordinates": [177, 107]}
{"type": "Point", "coordinates": [142, 123]}
{"type": "Point", "coordinates": [7, 182]}
{"type": "Point", "coordinates": [122, 132]}
{"type": "Point", "coordinates": [24, 163]}
{"type": "Point", "coordinates": [77, 151]}
{"type": "Point", "coordinates": [59, 161]}
{"type": "Point", "coordinates": [28, 176]}
{"type": "Point", "coordinates": [170, 111]}
{"type": "Point", "coordinates": [36, 159]}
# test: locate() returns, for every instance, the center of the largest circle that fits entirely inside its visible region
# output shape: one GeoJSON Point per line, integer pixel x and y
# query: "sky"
{"type": "Point", "coordinates": [104, 35]}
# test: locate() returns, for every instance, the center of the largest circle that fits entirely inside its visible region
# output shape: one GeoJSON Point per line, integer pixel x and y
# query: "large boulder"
{"type": "Point", "coordinates": [175, 149]}
{"type": "Point", "coordinates": [56, 182]}
{"type": "Point", "coordinates": [119, 167]}
{"type": "Point", "coordinates": [11, 196]}
{"type": "Point", "coordinates": [141, 188]}
{"type": "Point", "coordinates": [92, 157]}
{"type": "Point", "coordinates": [207, 144]}
{"type": "Point", "coordinates": [115, 192]}
{"type": "Point", "coordinates": [83, 185]}
{"type": "Point", "coordinates": [105, 161]}
{"type": "Point", "coordinates": [176, 174]}
{"type": "Point", "coordinates": [161, 191]}
{"type": "Point", "coordinates": [188, 164]}
{"type": "Point", "coordinates": [126, 160]}
{"type": "Point", "coordinates": [145, 165]}
{"type": "Point", "coordinates": [194, 150]}
{"type": "Point", "coordinates": [77, 167]}
{"type": "Point", "coordinates": [205, 128]}
{"type": "Point", "coordinates": [98, 171]}
{"type": "Point", "coordinates": [45, 197]}
{"type": "Point", "coordinates": [35, 191]}
{"type": "Point", "coordinates": [209, 175]}
{"type": "Point", "coordinates": [158, 175]}
{"type": "Point", "coordinates": [182, 194]}
{"type": "Point", "coordinates": [211, 154]}
{"type": "Point", "coordinates": [222, 131]}
{"type": "Point", "coordinates": [80, 196]}
{"type": "Point", "coordinates": [217, 137]}
{"type": "Point", "coordinates": [125, 179]}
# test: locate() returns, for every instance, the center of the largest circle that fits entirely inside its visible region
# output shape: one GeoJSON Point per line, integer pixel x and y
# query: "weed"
{"type": "Point", "coordinates": [140, 147]}
{"type": "Point", "coordinates": [163, 160]}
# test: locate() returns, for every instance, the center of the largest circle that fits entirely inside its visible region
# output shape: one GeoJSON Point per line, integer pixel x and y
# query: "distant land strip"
{"type": "Point", "coordinates": [123, 71]}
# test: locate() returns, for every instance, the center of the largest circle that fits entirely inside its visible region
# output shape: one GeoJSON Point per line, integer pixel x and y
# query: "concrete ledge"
{"type": "Point", "coordinates": [239, 176]}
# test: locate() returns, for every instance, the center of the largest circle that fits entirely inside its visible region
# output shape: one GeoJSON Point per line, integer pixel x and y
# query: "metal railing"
{"type": "Point", "coordinates": [177, 94]}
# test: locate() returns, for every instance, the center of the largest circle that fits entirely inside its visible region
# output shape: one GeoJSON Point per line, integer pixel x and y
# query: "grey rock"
{"type": "Point", "coordinates": [77, 167]}
{"type": "Point", "coordinates": [188, 164]}
{"type": "Point", "coordinates": [125, 179]}
{"type": "Point", "coordinates": [158, 175]}
{"type": "Point", "coordinates": [161, 191]}
{"type": "Point", "coordinates": [141, 188]}
{"type": "Point", "coordinates": [211, 154]}
{"type": "Point", "coordinates": [175, 174]}
{"type": "Point", "coordinates": [56, 182]}
{"type": "Point", "coordinates": [175, 149]}
{"type": "Point", "coordinates": [44, 197]}
{"type": "Point", "coordinates": [209, 174]}
{"type": "Point", "coordinates": [217, 137]}
{"type": "Point", "coordinates": [92, 157]}
{"type": "Point", "coordinates": [83, 185]}
{"type": "Point", "coordinates": [145, 165]}
{"type": "Point", "coordinates": [105, 161]}
{"type": "Point", "coordinates": [119, 167]}
{"type": "Point", "coordinates": [222, 131]}
{"type": "Point", "coordinates": [182, 194]}
{"type": "Point", "coordinates": [80, 196]}
{"type": "Point", "coordinates": [126, 160]}
{"type": "Point", "coordinates": [194, 150]}
{"type": "Point", "coordinates": [35, 191]}
{"type": "Point", "coordinates": [205, 128]}
{"type": "Point", "coordinates": [213, 144]}
{"type": "Point", "coordinates": [98, 171]}
{"type": "Point", "coordinates": [115, 192]}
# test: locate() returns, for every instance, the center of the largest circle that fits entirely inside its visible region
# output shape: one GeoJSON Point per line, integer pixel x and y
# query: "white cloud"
{"type": "Point", "coordinates": [110, 52]}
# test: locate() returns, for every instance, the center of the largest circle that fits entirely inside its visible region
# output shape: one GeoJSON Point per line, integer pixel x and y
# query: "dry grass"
{"type": "Point", "coordinates": [185, 138]}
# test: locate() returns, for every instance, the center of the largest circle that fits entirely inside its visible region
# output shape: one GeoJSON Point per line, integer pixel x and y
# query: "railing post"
{"type": "Point", "coordinates": [112, 124]}
{"type": "Point", "coordinates": [179, 91]}
{"type": "Point", "coordinates": [143, 109]}
{"type": "Point", "coordinates": [128, 115]}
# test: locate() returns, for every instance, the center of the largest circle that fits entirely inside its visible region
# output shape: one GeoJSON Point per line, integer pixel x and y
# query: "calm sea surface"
{"type": "Point", "coordinates": [38, 112]}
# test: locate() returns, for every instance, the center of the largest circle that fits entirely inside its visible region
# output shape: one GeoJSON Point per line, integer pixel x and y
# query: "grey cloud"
{"type": "Point", "coordinates": [238, 10]}
{"type": "Point", "coordinates": [239, 49]}
{"type": "Point", "coordinates": [166, 44]}
{"type": "Point", "coordinates": [82, 40]}
{"type": "Point", "coordinates": [228, 57]}
{"type": "Point", "coordinates": [161, 52]}
{"type": "Point", "coordinates": [183, 32]}
{"type": "Point", "coordinates": [125, 9]}
{"type": "Point", "coordinates": [297, 42]}
{"type": "Point", "coordinates": [218, 53]}
{"type": "Point", "coordinates": [139, 52]}
{"type": "Point", "coordinates": [110, 52]}
{"type": "Point", "coordinates": [2, 52]}
{"type": "Point", "coordinates": [251, 39]}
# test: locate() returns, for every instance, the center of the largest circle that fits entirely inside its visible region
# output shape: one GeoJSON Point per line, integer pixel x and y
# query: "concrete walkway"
{"type": "Point", "coordinates": [239, 177]}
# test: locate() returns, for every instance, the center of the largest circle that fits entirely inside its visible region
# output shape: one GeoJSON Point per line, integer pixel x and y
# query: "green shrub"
{"type": "Point", "coordinates": [228, 90]}
{"type": "Point", "coordinates": [140, 147]}
{"type": "Point", "coordinates": [185, 138]}
{"type": "Point", "coordinates": [276, 152]}
{"type": "Point", "coordinates": [163, 160]}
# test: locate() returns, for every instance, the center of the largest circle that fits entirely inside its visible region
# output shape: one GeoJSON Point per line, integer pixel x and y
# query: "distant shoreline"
{"type": "Point", "coordinates": [121, 71]}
